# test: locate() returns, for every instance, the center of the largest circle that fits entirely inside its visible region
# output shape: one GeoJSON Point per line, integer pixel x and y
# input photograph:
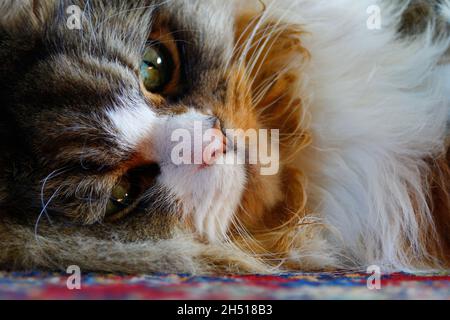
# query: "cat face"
{"type": "Point", "coordinates": [91, 116]}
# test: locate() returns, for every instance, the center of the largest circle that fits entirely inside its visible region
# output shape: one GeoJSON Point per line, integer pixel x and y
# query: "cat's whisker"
{"type": "Point", "coordinates": [160, 199]}
{"type": "Point", "coordinates": [247, 45]}
{"type": "Point", "coordinates": [262, 88]}
{"type": "Point", "coordinates": [86, 15]}
{"type": "Point", "coordinates": [261, 20]}
{"type": "Point", "coordinates": [245, 243]}
{"type": "Point", "coordinates": [269, 34]}
{"type": "Point", "coordinates": [249, 70]}
{"type": "Point", "coordinates": [238, 45]}
{"type": "Point", "coordinates": [256, 33]}
{"type": "Point", "coordinates": [255, 59]}
{"type": "Point", "coordinates": [122, 12]}
{"type": "Point", "coordinates": [243, 48]}
{"type": "Point", "coordinates": [44, 211]}
{"type": "Point", "coordinates": [259, 97]}
{"type": "Point", "coordinates": [52, 175]}
{"type": "Point", "coordinates": [246, 235]}
{"type": "Point", "coordinates": [173, 39]}
{"type": "Point", "coordinates": [82, 156]}
{"type": "Point", "coordinates": [261, 44]}
{"type": "Point", "coordinates": [93, 213]}
{"type": "Point", "coordinates": [244, 32]}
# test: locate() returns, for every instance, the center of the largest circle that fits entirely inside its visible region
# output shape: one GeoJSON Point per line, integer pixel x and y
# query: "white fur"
{"type": "Point", "coordinates": [445, 10]}
{"type": "Point", "coordinates": [378, 108]}
{"type": "Point", "coordinates": [133, 120]}
{"type": "Point", "coordinates": [212, 194]}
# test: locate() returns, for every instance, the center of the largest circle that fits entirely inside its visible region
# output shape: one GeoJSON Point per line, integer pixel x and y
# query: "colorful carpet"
{"type": "Point", "coordinates": [292, 286]}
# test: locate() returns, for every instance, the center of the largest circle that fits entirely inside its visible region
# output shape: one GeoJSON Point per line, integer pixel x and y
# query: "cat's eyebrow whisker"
{"type": "Point", "coordinates": [178, 41]}
{"type": "Point", "coordinates": [153, 6]}
{"type": "Point", "coordinates": [191, 30]}
{"type": "Point", "coordinates": [174, 32]}
{"type": "Point", "coordinates": [88, 198]}
{"type": "Point", "coordinates": [89, 21]}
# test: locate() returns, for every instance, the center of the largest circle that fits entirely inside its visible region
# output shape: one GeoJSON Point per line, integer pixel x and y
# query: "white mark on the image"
{"type": "Point", "coordinates": [374, 280]}
{"type": "Point", "coordinates": [374, 20]}
{"type": "Point", "coordinates": [74, 280]}
{"type": "Point", "coordinates": [74, 19]}
{"type": "Point", "coordinates": [251, 147]}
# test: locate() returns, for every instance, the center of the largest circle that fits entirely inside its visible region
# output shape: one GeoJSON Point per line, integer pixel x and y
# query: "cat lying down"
{"type": "Point", "coordinates": [212, 136]}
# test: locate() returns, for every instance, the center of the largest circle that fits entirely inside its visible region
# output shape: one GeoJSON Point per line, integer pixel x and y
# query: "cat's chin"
{"type": "Point", "coordinates": [208, 196]}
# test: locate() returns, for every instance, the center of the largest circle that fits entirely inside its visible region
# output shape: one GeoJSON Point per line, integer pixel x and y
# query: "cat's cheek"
{"type": "Point", "coordinates": [132, 121]}
{"type": "Point", "coordinates": [208, 198]}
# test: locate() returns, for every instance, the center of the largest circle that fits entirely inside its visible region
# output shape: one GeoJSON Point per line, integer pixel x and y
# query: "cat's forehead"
{"type": "Point", "coordinates": [119, 30]}
{"type": "Point", "coordinates": [203, 27]}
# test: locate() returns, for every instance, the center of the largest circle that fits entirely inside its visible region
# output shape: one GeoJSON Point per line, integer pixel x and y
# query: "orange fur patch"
{"type": "Point", "coordinates": [439, 181]}
{"type": "Point", "coordinates": [267, 85]}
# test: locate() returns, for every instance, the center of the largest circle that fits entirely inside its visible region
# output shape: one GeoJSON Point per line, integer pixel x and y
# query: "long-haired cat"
{"type": "Point", "coordinates": [93, 91]}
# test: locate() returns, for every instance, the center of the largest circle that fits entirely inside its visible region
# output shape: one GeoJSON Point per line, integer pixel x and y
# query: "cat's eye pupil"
{"type": "Point", "coordinates": [156, 67]}
{"type": "Point", "coordinates": [119, 199]}
{"type": "Point", "coordinates": [120, 193]}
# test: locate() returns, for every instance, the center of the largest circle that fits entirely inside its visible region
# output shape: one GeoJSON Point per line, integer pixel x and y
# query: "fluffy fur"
{"type": "Point", "coordinates": [379, 111]}
{"type": "Point", "coordinates": [363, 117]}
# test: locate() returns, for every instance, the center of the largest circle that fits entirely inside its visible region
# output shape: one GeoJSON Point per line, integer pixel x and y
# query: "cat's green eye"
{"type": "Point", "coordinates": [120, 199]}
{"type": "Point", "coordinates": [156, 68]}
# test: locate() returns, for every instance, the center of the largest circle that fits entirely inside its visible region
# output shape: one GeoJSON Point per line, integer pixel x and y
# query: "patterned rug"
{"type": "Point", "coordinates": [168, 286]}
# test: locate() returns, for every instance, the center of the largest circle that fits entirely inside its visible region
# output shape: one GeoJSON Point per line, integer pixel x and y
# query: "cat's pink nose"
{"type": "Point", "coordinates": [216, 145]}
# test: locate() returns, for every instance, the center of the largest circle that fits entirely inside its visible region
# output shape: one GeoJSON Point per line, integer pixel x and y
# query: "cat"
{"type": "Point", "coordinates": [355, 95]}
